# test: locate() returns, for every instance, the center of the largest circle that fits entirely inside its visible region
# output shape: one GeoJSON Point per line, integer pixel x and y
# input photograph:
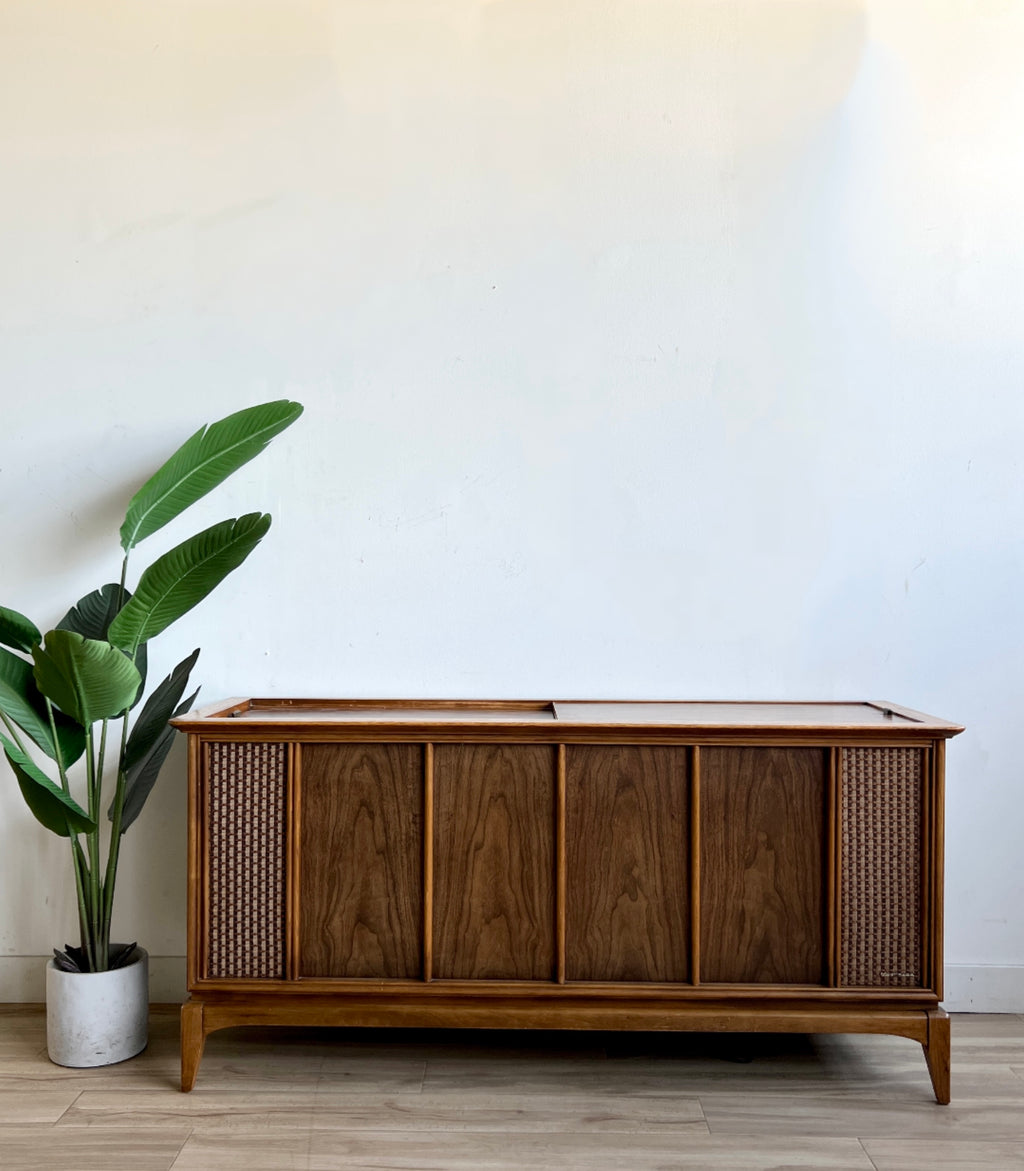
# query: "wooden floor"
{"type": "Point", "coordinates": [317, 1100]}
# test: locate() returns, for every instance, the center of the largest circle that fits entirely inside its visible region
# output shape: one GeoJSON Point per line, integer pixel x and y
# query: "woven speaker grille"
{"type": "Point", "coordinates": [246, 793]}
{"type": "Point", "coordinates": [882, 836]}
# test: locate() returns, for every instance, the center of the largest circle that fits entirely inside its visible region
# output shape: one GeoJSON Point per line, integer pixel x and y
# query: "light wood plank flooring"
{"type": "Point", "coordinates": [320, 1100]}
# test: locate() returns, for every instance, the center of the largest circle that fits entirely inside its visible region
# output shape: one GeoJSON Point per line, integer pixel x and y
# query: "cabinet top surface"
{"type": "Point", "coordinates": [683, 715]}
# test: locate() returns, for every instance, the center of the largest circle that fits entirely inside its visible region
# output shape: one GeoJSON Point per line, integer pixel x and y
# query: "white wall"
{"type": "Point", "coordinates": [648, 349]}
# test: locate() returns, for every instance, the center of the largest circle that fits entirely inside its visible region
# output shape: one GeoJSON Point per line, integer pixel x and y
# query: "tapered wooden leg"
{"type": "Point", "coordinates": [193, 1038]}
{"type": "Point", "coordinates": [936, 1053]}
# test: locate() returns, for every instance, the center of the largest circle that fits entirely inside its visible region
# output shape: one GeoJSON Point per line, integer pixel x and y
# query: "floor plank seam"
{"type": "Point", "coordinates": [704, 1115]}
{"type": "Point", "coordinates": [71, 1105]}
{"type": "Point", "coordinates": [184, 1142]}
{"type": "Point", "coordinates": [867, 1154]}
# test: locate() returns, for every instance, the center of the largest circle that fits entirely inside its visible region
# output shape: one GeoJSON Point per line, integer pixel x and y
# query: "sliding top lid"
{"type": "Point", "coordinates": [640, 714]}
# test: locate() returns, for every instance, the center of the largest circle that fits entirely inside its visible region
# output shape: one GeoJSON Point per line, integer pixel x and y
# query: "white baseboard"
{"type": "Point", "coordinates": [23, 979]}
{"type": "Point", "coordinates": [979, 988]}
{"type": "Point", "coordinates": [984, 988]}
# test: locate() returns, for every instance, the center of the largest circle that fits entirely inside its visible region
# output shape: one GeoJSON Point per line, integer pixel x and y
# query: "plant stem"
{"type": "Point", "coordinates": [78, 863]}
{"type": "Point", "coordinates": [14, 732]}
{"type": "Point", "coordinates": [93, 838]}
{"type": "Point", "coordinates": [103, 753]}
{"type": "Point", "coordinates": [103, 939]}
{"type": "Point", "coordinates": [81, 869]}
{"type": "Point", "coordinates": [58, 756]}
{"type": "Point", "coordinates": [113, 853]}
{"type": "Point", "coordinates": [105, 911]}
{"type": "Point", "coordinates": [120, 584]}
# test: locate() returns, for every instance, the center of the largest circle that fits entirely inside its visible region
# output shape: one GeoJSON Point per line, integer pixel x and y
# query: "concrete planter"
{"type": "Point", "coordinates": [97, 1018]}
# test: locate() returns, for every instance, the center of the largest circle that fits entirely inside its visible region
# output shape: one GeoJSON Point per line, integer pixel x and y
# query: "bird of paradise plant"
{"type": "Point", "coordinates": [72, 691]}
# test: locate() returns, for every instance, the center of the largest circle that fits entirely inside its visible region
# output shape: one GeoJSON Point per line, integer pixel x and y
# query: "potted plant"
{"type": "Point", "coordinates": [79, 738]}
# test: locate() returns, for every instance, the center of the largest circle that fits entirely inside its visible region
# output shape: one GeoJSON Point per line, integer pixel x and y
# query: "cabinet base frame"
{"type": "Point", "coordinates": [201, 1016]}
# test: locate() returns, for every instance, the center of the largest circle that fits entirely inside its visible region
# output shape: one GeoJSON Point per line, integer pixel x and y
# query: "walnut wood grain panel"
{"type": "Point", "coordinates": [361, 860]}
{"type": "Point", "coordinates": [627, 866]}
{"type": "Point", "coordinates": [763, 815]}
{"type": "Point", "coordinates": [494, 861]}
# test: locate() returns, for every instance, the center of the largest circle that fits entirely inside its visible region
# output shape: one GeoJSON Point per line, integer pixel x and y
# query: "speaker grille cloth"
{"type": "Point", "coordinates": [882, 834]}
{"type": "Point", "coordinates": [246, 793]}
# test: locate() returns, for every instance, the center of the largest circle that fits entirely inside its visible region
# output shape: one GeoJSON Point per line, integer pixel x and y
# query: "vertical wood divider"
{"type": "Point", "coordinates": [560, 868]}
{"type": "Point", "coordinates": [831, 868]}
{"type": "Point", "coordinates": [293, 862]}
{"type": "Point", "coordinates": [428, 862]}
{"type": "Point", "coordinates": [695, 867]}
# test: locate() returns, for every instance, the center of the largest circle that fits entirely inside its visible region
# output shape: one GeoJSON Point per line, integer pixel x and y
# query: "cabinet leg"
{"type": "Point", "coordinates": [193, 1038]}
{"type": "Point", "coordinates": [936, 1053]}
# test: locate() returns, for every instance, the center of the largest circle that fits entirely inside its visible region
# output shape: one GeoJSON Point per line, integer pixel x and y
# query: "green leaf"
{"type": "Point", "coordinates": [18, 631]}
{"type": "Point", "coordinates": [16, 685]}
{"type": "Point", "coordinates": [157, 710]}
{"type": "Point", "coordinates": [22, 703]}
{"type": "Point", "coordinates": [201, 463]}
{"type": "Point", "coordinates": [87, 679]}
{"type": "Point", "coordinates": [180, 579]}
{"type": "Point", "coordinates": [70, 737]}
{"type": "Point", "coordinates": [92, 615]}
{"type": "Point", "coordinates": [50, 804]}
{"type": "Point", "coordinates": [121, 955]}
{"type": "Point", "coordinates": [141, 778]}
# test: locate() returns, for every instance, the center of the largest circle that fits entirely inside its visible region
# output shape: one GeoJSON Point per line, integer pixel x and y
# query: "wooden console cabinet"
{"type": "Point", "coordinates": [769, 867]}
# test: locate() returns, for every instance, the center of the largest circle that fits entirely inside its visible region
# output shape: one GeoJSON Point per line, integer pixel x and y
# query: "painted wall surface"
{"type": "Point", "coordinates": [648, 349]}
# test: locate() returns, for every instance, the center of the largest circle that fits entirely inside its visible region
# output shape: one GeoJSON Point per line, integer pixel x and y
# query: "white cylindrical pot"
{"type": "Point", "coordinates": [97, 1018]}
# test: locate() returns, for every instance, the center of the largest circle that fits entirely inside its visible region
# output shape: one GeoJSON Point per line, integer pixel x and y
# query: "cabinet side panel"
{"type": "Point", "coordinates": [882, 830]}
{"type": "Point", "coordinates": [762, 832]}
{"type": "Point", "coordinates": [361, 861]}
{"type": "Point", "coordinates": [246, 791]}
{"type": "Point", "coordinates": [627, 863]}
{"type": "Point", "coordinates": [494, 861]}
